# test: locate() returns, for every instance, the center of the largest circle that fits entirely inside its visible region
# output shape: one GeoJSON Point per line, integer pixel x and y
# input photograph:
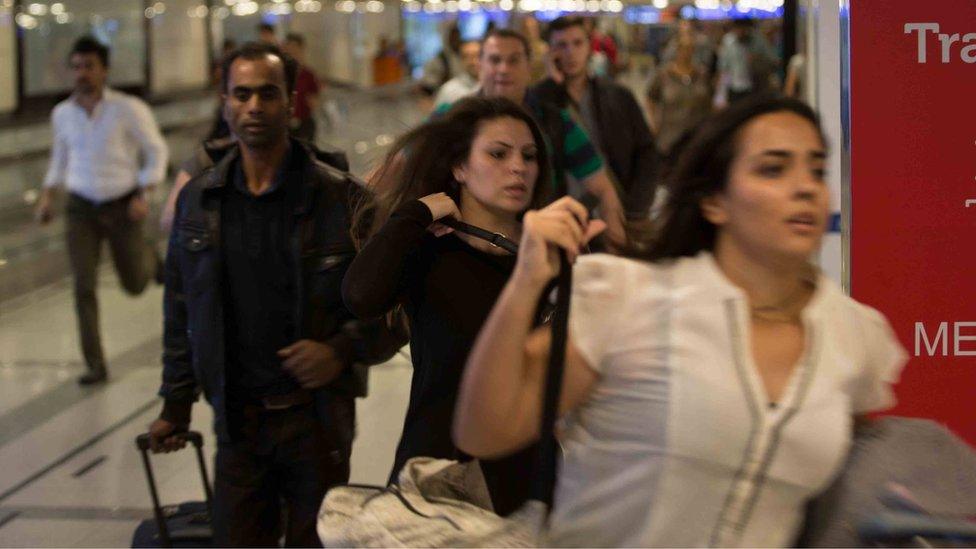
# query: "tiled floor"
{"type": "Point", "coordinates": [69, 472]}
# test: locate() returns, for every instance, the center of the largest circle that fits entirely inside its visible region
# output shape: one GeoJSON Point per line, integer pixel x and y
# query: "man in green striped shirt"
{"type": "Point", "coordinates": [505, 73]}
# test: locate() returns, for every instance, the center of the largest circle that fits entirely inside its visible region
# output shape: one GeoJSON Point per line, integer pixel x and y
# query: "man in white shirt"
{"type": "Point", "coordinates": [100, 135]}
{"type": "Point", "coordinates": [746, 62]}
{"type": "Point", "coordinates": [466, 83]}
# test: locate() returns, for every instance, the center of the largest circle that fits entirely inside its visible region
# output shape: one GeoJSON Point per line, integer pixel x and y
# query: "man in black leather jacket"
{"type": "Point", "coordinates": [607, 111]}
{"type": "Point", "coordinates": [254, 317]}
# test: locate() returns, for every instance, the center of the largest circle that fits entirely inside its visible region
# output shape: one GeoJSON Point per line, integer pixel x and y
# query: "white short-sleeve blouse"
{"type": "Point", "coordinates": [677, 444]}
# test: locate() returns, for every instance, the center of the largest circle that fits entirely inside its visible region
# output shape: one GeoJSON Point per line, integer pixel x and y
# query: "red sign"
{"type": "Point", "coordinates": [913, 186]}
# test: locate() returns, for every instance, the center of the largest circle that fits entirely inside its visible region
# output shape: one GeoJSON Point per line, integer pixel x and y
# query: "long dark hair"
{"type": "Point", "coordinates": [422, 162]}
{"type": "Point", "coordinates": [702, 170]}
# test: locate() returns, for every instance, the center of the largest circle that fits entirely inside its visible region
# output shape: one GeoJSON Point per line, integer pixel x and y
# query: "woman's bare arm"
{"type": "Point", "coordinates": [500, 401]}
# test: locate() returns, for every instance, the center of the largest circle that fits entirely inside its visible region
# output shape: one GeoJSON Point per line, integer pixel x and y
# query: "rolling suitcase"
{"type": "Point", "coordinates": [183, 525]}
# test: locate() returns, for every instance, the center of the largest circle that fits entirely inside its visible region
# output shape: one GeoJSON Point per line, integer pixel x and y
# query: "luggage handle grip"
{"type": "Point", "coordinates": [193, 437]}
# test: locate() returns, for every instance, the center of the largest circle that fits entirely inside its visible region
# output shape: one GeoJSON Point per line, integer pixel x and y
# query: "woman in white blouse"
{"type": "Point", "coordinates": [712, 376]}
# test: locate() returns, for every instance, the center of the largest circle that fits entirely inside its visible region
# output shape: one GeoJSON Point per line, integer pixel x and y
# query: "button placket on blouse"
{"type": "Point", "coordinates": [735, 514]}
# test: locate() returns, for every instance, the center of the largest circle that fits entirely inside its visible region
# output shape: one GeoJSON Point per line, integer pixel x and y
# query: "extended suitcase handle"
{"type": "Point", "coordinates": [195, 438]}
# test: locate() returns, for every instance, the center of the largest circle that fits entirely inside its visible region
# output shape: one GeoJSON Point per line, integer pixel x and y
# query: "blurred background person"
{"type": "Point", "coordinates": [530, 28]}
{"type": "Point", "coordinates": [109, 154]}
{"type": "Point", "coordinates": [216, 69]}
{"type": "Point", "coordinates": [220, 129]}
{"type": "Point", "coordinates": [206, 155]}
{"type": "Point", "coordinates": [217, 142]}
{"type": "Point", "coordinates": [307, 90]}
{"type": "Point", "coordinates": [796, 75]}
{"type": "Point", "coordinates": [608, 112]}
{"type": "Point", "coordinates": [387, 63]}
{"type": "Point", "coordinates": [445, 65]}
{"type": "Point", "coordinates": [400, 47]}
{"type": "Point", "coordinates": [466, 83]}
{"type": "Point", "coordinates": [679, 98]}
{"type": "Point", "coordinates": [703, 49]}
{"type": "Point", "coordinates": [578, 169]}
{"type": "Point", "coordinates": [604, 60]}
{"type": "Point", "coordinates": [772, 32]}
{"type": "Point", "coordinates": [746, 63]}
{"type": "Point", "coordinates": [266, 34]}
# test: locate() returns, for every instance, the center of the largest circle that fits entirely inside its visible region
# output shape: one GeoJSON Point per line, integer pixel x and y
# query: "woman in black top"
{"type": "Point", "coordinates": [485, 163]}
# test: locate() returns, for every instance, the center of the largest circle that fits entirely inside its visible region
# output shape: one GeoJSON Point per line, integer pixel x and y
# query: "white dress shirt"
{"type": "Point", "coordinates": [98, 157]}
{"type": "Point", "coordinates": [678, 444]}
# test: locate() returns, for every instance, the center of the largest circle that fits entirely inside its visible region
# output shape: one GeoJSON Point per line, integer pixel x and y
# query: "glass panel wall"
{"type": "Point", "coordinates": [50, 28]}
{"type": "Point", "coordinates": [178, 44]}
{"type": "Point", "coordinates": [241, 26]}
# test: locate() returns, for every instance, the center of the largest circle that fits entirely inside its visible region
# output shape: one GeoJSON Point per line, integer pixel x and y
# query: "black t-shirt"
{"type": "Point", "coordinates": [259, 284]}
{"type": "Point", "coordinates": [447, 289]}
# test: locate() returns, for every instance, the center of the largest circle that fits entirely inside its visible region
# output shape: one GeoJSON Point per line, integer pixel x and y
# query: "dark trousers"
{"type": "Point", "coordinates": [88, 225]}
{"type": "Point", "coordinates": [280, 464]}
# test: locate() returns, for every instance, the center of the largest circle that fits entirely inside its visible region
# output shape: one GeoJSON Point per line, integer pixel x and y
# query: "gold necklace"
{"type": "Point", "coordinates": [786, 310]}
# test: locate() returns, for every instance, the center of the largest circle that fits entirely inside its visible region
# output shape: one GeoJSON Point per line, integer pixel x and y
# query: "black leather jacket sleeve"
{"type": "Point", "coordinates": [179, 383]}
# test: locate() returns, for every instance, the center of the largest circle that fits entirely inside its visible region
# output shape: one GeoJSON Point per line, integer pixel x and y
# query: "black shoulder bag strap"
{"type": "Point", "coordinates": [497, 240]}
{"type": "Point", "coordinates": [544, 480]}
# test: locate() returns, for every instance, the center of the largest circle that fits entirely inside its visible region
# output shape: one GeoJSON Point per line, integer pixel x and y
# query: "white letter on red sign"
{"type": "Point", "coordinates": [947, 42]}
{"type": "Point", "coordinates": [958, 338]}
{"type": "Point", "coordinates": [921, 28]}
{"type": "Point", "coordinates": [968, 53]}
{"type": "Point", "coordinates": [942, 334]}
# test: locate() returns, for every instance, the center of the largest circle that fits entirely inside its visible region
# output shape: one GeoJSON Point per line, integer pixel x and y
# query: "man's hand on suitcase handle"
{"type": "Point", "coordinates": [164, 436]}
